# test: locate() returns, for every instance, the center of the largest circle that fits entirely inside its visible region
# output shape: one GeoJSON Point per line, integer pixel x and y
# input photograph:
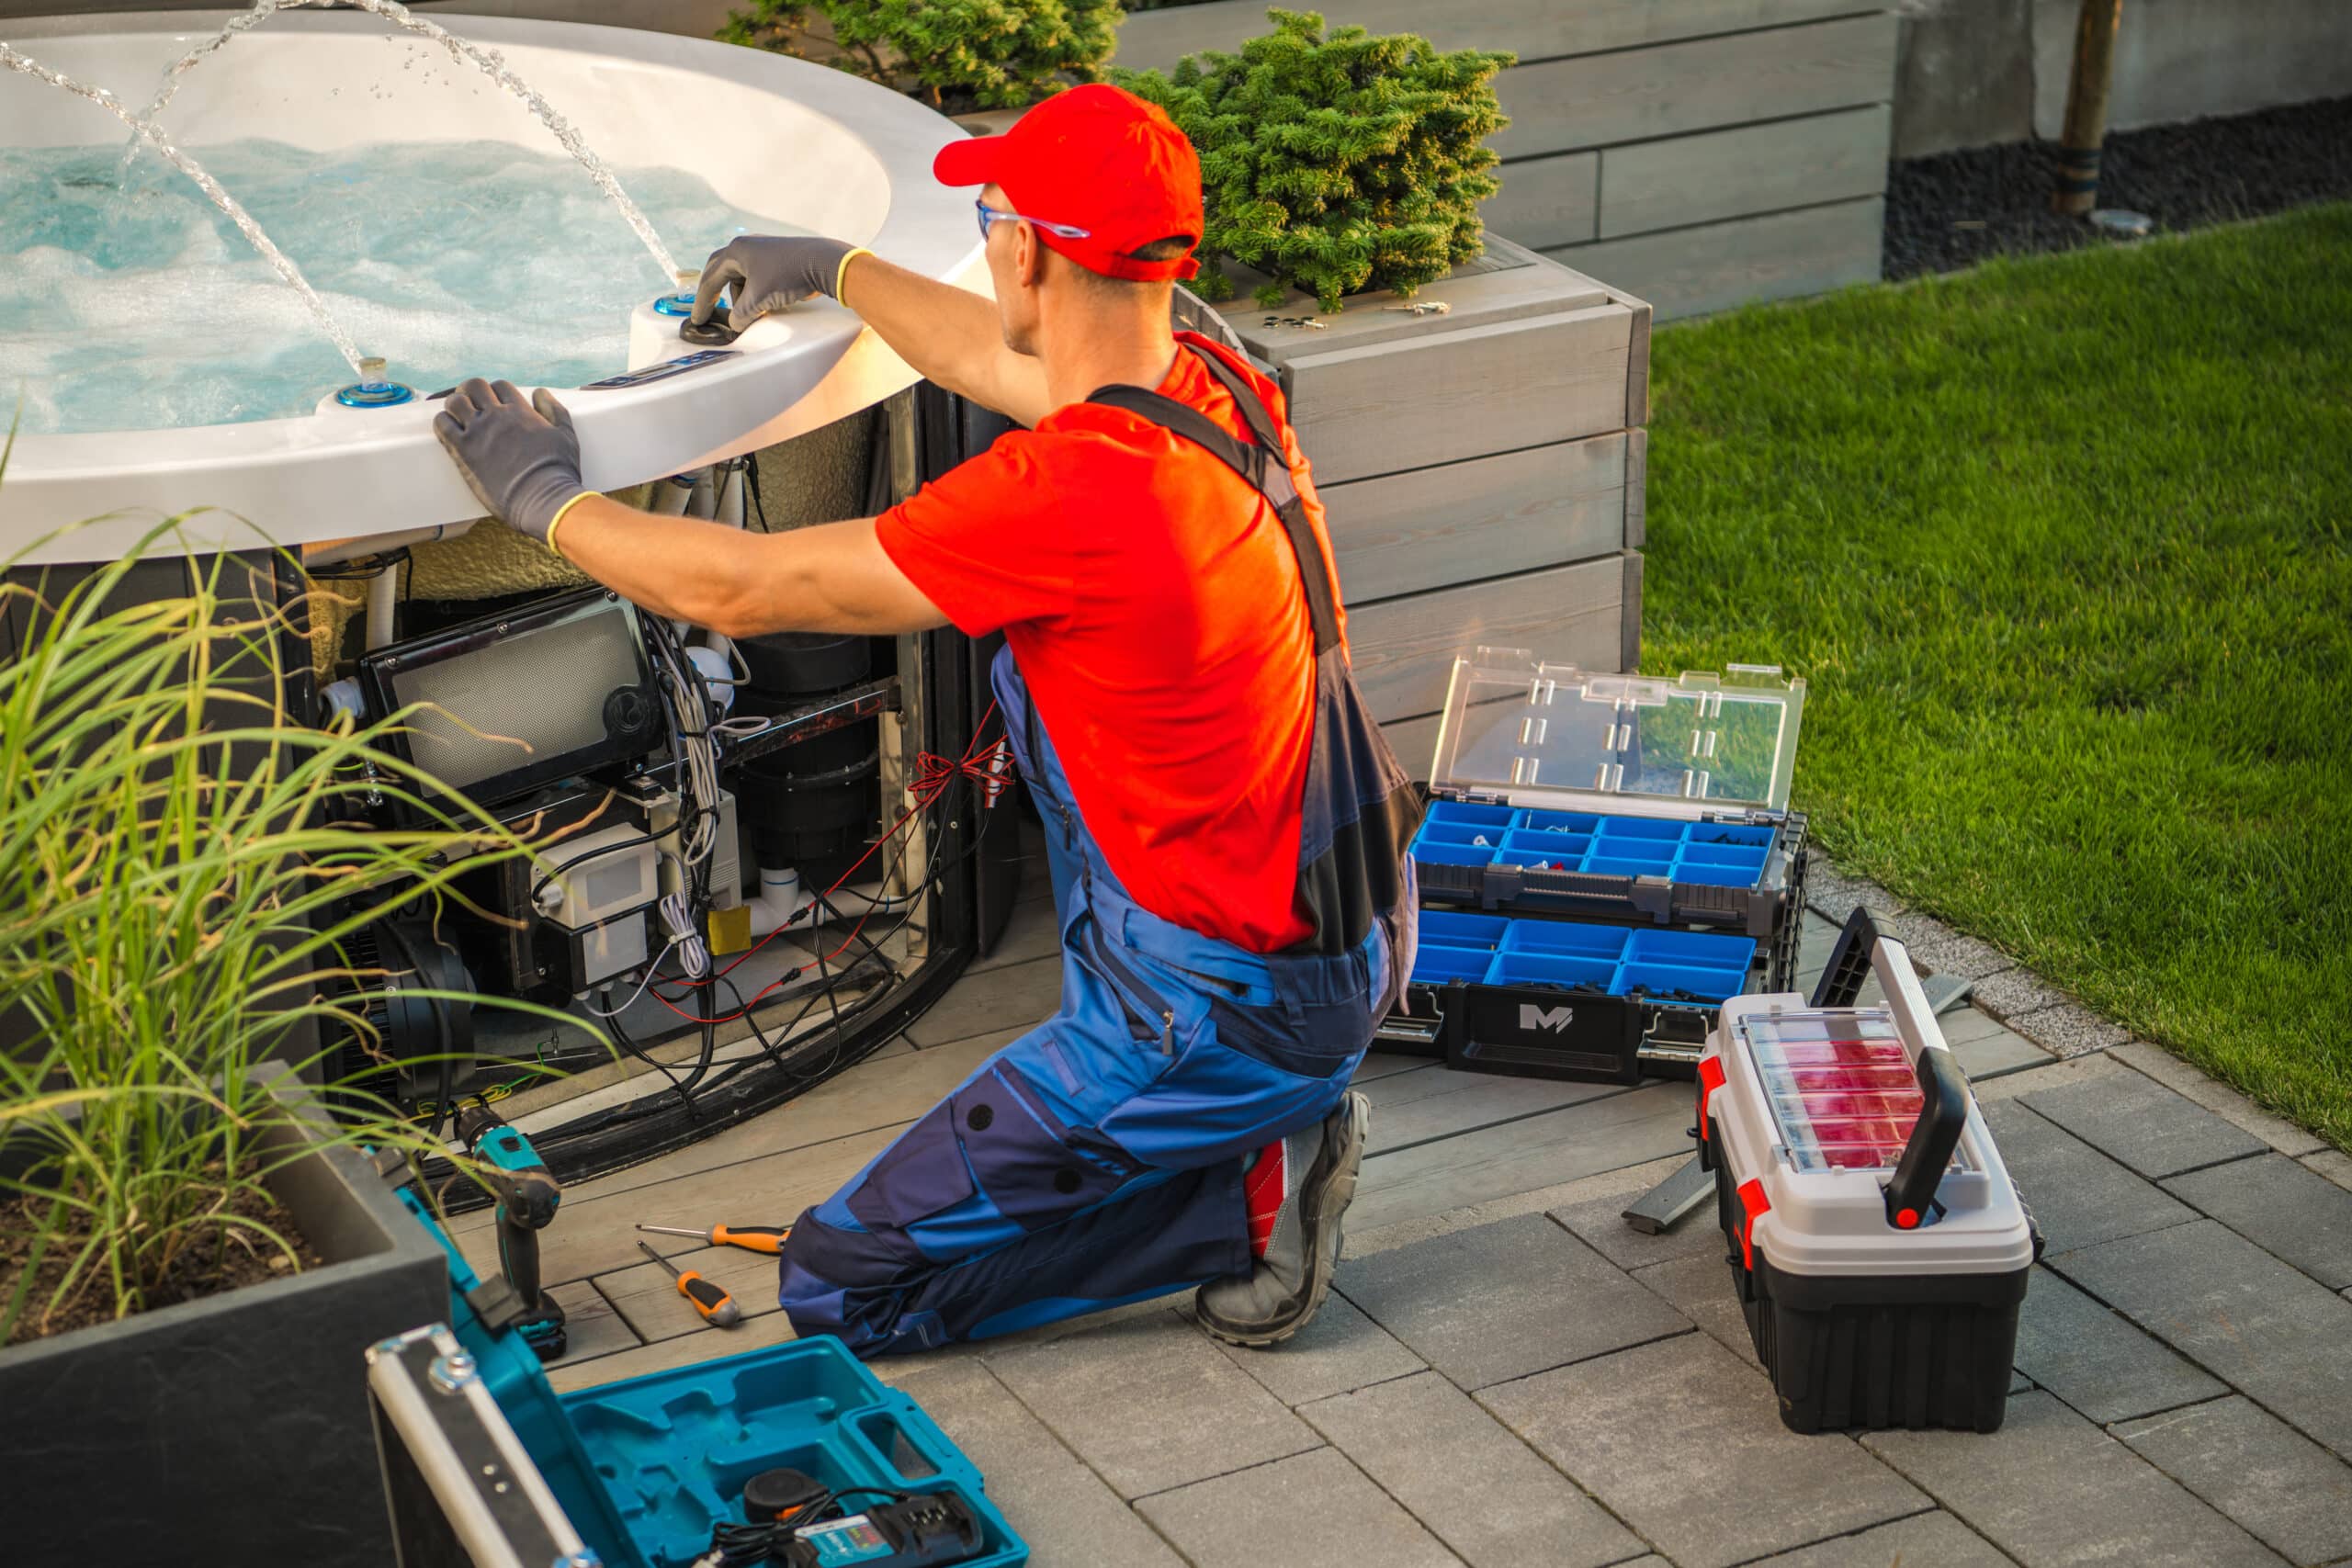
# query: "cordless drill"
{"type": "Point", "coordinates": [527, 1196]}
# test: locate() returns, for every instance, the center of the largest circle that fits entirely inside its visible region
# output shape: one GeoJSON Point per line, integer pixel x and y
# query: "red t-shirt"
{"type": "Point", "coordinates": [1153, 600]}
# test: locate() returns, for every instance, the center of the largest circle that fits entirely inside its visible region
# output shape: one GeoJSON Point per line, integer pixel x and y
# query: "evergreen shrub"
{"type": "Point", "coordinates": [995, 53]}
{"type": "Point", "coordinates": [1338, 165]}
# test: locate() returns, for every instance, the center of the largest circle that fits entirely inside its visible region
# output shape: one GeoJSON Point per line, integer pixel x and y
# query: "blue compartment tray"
{"type": "Point", "coordinates": [1674, 967]}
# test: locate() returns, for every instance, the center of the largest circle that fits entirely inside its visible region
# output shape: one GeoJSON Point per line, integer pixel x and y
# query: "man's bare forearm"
{"type": "Point", "coordinates": [678, 567]}
{"type": "Point", "coordinates": [949, 335]}
{"type": "Point", "coordinates": [831, 577]}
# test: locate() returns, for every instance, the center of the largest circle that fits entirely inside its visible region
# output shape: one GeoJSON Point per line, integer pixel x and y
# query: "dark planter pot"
{"type": "Point", "coordinates": [231, 1430]}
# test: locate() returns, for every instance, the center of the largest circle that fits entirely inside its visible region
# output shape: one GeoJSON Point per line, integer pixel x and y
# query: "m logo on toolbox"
{"type": "Point", "coordinates": [1556, 1020]}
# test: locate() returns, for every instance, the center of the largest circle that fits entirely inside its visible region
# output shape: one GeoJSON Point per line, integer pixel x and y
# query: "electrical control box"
{"type": "Point", "coordinates": [592, 906]}
{"type": "Point", "coordinates": [1877, 1245]}
{"type": "Point", "coordinates": [1602, 853]}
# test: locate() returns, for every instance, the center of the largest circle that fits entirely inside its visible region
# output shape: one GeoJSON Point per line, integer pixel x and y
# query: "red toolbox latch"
{"type": "Point", "coordinates": [1752, 1200]}
{"type": "Point", "coordinates": [1710, 1078]}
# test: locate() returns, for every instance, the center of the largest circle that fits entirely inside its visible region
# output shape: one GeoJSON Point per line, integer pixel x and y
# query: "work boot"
{"type": "Point", "coordinates": [1282, 1293]}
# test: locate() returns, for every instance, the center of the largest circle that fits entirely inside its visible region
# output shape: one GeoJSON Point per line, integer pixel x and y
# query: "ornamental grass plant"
{"type": "Point", "coordinates": [181, 862]}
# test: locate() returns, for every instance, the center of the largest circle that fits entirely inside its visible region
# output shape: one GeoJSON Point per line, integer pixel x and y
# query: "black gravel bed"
{"type": "Point", "coordinates": [1956, 209]}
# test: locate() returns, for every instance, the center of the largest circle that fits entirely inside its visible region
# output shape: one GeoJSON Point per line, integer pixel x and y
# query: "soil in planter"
{"type": "Point", "coordinates": [200, 1271]}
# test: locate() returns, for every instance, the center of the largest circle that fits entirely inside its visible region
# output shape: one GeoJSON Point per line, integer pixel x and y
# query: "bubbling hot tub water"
{"type": "Point", "coordinates": [159, 370]}
{"type": "Point", "coordinates": [143, 308]}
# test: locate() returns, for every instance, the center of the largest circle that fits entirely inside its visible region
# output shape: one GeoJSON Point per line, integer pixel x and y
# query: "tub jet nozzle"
{"type": "Point", "coordinates": [682, 303]}
{"type": "Point", "coordinates": [372, 390]}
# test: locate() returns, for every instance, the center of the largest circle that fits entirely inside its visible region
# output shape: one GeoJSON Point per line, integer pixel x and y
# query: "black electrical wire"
{"type": "Point", "coordinates": [828, 990]}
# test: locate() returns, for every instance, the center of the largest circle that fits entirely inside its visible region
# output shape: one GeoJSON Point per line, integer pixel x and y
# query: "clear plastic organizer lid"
{"type": "Point", "coordinates": [1554, 733]}
{"type": "Point", "coordinates": [1843, 1092]}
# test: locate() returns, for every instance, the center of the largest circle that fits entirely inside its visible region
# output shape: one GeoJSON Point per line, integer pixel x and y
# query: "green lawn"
{"type": "Point", "coordinates": [2063, 547]}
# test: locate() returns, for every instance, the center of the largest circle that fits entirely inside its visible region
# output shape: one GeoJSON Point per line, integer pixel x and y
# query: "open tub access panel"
{"type": "Point", "coordinates": [1605, 860]}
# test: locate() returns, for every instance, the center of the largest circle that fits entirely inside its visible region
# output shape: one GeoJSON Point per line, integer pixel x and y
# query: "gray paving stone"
{"type": "Point", "coordinates": [993, 999]}
{"type": "Point", "coordinates": [592, 1327]}
{"type": "Point", "coordinates": [2232, 1308]}
{"type": "Point", "coordinates": [2220, 1098]}
{"type": "Point", "coordinates": [1150, 1403]}
{"type": "Point", "coordinates": [2013, 993]}
{"type": "Point", "coordinates": [1314, 1510]}
{"type": "Point", "coordinates": [2284, 1208]}
{"type": "Point", "coordinates": [2050, 1488]}
{"type": "Point", "coordinates": [1701, 1287]}
{"type": "Point", "coordinates": [2078, 1195]}
{"type": "Point", "coordinates": [1060, 1507]}
{"type": "Point", "coordinates": [2145, 1125]}
{"type": "Point", "coordinates": [2096, 1361]}
{"type": "Point", "coordinates": [2069, 1029]}
{"type": "Point", "coordinates": [1923, 1541]}
{"type": "Point", "coordinates": [1341, 1349]}
{"type": "Point", "coordinates": [2271, 1479]}
{"type": "Point", "coordinates": [2334, 1164]}
{"type": "Point", "coordinates": [1998, 1052]}
{"type": "Point", "coordinates": [1505, 1300]}
{"type": "Point", "coordinates": [1463, 1475]}
{"type": "Point", "coordinates": [1602, 1223]}
{"type": "Point", "coordinates": [1685, 1445]}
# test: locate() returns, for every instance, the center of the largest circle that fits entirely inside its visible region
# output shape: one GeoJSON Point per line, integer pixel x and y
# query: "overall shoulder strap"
{"type": "Point", "coordinates": [1260, 463]}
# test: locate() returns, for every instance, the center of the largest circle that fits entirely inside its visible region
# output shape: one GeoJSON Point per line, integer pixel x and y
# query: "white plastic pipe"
{"type": "Point", "coordinates": [782, 896]}
{"type": "Point", "coordinates": [334, 552]}
{"type": "Point", "coordinates": [383, 602]}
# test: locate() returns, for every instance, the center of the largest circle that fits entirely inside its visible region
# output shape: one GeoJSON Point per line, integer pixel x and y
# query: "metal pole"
{"type": "Point", "coordinates": [2085, 134]}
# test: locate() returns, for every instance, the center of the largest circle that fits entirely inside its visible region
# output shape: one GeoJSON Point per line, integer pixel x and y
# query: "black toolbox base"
{"type": "Point", "coordinates": [1920, 1352]}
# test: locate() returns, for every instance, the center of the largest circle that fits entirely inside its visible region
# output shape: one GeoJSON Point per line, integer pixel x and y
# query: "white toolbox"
{"type": "Point", "coordinates": [1878, 1244]}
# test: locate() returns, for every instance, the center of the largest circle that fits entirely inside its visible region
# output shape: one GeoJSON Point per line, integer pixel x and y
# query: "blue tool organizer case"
{"type": "Point", "coordinates": [1560, 791]}
{"type": "Point", "coordinates": [1604, 860]}
{"type": "Point", "coordinates": [1709, 854]}
{"type": "Point", "coordinates": [645, 1467]}
{"type": "Point", "coordinates": [1564, 998]}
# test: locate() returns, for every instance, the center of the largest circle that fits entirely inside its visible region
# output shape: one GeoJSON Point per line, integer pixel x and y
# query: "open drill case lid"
{"type": "Point", "coordinates": [1626, 840]}
{"type": "Point", "coordinates": [1878, 1245]}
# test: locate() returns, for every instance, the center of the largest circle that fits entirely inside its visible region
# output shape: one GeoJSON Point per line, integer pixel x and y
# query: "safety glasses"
{"type": "Point", "coordinates": [989, 215]}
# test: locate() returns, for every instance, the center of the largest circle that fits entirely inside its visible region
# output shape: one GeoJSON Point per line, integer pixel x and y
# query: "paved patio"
{"type": "Point", "coordinates": [1508, 1374]}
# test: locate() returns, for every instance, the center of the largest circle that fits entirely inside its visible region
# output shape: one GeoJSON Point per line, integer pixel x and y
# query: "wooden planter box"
{"type": "Point", "coordinates": [232, 1430]}
{"type": "Point", "coordinates": [1700, 152]}
{"type": "Point", "coordinates": [1482, 470]}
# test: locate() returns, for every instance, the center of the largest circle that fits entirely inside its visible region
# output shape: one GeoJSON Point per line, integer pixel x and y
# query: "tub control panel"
{"type": "Point", "coordinates": [660, 372]}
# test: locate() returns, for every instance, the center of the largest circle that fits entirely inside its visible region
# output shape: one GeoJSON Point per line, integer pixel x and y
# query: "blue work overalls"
{"type": "Point", "coordinates": [1099, 1159]}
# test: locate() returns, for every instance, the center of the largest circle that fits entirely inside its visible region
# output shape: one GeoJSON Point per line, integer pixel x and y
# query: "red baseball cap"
{"type": "Point", "coordinates": [1099, 159]}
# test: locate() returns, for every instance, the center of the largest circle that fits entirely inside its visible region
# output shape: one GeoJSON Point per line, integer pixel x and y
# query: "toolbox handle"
{"type": "Point", "coordinates": [1943, 1088]}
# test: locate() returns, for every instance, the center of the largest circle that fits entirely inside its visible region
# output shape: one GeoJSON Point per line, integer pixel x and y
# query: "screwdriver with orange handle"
{"type": "Point", "coordinates": [716, 1307]}
{"type": "Point", "coordinates": [750, 1238]}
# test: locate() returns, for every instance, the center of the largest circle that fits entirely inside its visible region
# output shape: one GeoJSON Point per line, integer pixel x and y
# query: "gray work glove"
{"type": "Point", "coordinates": [769, 272]}
{"type": "Point", "coordinates": [520, 459]}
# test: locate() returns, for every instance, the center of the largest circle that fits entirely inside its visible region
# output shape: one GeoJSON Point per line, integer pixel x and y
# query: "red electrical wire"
{"type": "Point", "coordinates": [990, 769]}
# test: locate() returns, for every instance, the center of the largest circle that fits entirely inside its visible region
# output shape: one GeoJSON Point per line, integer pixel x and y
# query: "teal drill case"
{"type": "Point", "coordinates": [645, 1468]}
